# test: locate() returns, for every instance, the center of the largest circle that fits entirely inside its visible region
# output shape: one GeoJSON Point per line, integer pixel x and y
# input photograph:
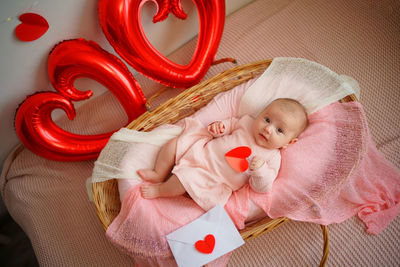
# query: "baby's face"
{"type": "Point", "coordinates": [276, 128]}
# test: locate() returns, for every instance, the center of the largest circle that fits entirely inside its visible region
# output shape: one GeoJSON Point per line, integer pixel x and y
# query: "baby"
{"type": "Point", "coordinates": [197, 161]}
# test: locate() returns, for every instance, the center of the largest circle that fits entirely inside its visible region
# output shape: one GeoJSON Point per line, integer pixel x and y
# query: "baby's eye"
{"type": "Point", "coordinates": [280, 130]}
{"type": "Point", "coordinates": [267, 120]}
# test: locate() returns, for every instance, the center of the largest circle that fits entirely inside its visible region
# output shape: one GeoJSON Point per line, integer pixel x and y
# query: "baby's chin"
{"type": "Point", "coordinates": [260, 141]}
{"type": "Point", "coordinates": [269, 146]}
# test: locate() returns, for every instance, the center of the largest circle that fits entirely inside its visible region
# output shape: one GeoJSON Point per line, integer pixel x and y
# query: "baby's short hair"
{"type": "Point", "coordinates": [294, 106]}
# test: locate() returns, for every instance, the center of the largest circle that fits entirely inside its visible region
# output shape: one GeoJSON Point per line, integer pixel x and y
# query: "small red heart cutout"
{"type": "Point", "coordinates": [207, 245]}
{"type": "Point", "coordinates": [32, 27]}
{"type": "Point", "coordinates": [236, 158]}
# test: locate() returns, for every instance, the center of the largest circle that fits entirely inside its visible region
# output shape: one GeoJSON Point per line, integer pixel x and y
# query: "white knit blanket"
{"type": "Point", "coordinates": [313, 85]}
{"type": "Point", "coordinates": [125, 151]}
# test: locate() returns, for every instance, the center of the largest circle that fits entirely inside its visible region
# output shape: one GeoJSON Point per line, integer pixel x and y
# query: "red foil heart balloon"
{"type": "Point", "coordinates": [207, 245]}
{"type": "Point", "coordinates": [120, 20]}
{"type": "Point", "coordinates": [68, 61]}
{"type": "Point", "coordinates": [236, 158]}
{"type": "Point", "coordinates": [121, 24]}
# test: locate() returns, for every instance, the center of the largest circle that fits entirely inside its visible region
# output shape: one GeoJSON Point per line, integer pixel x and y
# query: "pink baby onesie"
{"type": "Point", "coordinates": [203, 170]}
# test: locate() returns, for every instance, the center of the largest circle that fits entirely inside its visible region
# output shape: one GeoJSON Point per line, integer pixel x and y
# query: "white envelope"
{"type": "Point", "coordinates": [215, 222]}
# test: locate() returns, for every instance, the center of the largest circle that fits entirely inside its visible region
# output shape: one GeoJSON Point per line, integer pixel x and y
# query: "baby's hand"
{"type": "Point", "coordinates": [216, 129]}
{"type": "Point", "coordinates": [256, 162]}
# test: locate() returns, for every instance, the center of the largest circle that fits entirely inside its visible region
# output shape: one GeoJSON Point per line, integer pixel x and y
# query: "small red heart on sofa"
{"type": "Point", "coordinates": [32, 27]}
{"type": "Point", "coordinates": [207, 245]}
{"type": "Point", "coordinates": [236, 158]}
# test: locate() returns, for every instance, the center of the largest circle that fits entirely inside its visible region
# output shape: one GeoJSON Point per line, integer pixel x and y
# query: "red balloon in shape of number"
{"type": "Point", "coordinates": [122, 26]}
{"type": "Point", "coordinates": [68, 61]}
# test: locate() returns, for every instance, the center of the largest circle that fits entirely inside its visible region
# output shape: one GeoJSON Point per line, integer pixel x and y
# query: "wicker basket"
{"type": "Point", "coordinates": [106, 195]}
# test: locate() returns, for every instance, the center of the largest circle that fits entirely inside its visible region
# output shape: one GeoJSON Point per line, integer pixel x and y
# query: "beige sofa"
{"type": "Point", "coordinates": [358, 38]}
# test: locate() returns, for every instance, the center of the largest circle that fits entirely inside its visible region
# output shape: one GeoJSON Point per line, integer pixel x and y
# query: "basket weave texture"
{"type": "Point", "coordinates": [106, 195]}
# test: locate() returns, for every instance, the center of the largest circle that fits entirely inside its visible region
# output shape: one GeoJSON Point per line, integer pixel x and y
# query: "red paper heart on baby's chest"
{"type": "Point", "coordinates": [236, 158]}
{"type": "Point", "coordinates": [207, 245]}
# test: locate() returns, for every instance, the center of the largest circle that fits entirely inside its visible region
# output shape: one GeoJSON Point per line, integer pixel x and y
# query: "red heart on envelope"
{"type": "Point", "coordinates": [32, 27]}
{"type": "Point", "coordinates": [207, 245]}
{"type": "Point", "coordinates": [236, 158]}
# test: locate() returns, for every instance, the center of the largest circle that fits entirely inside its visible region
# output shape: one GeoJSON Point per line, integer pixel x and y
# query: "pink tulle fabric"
{"type": "Point", "coordinates": [142, 224]}
{"type": "Point", "coordinates": [333, 172]}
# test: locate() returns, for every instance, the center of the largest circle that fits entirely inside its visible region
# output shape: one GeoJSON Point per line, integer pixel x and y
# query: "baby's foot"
{"type": "Point", "coordinates": [150, 191]}
{"type": "Point", "coordinates": [149, 175]}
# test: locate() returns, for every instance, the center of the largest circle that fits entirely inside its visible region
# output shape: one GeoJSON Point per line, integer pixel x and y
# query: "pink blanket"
{"type": "Point", "coordinates": [333, 172]}
{"type": "Point", "coordinates": [338, 173]}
